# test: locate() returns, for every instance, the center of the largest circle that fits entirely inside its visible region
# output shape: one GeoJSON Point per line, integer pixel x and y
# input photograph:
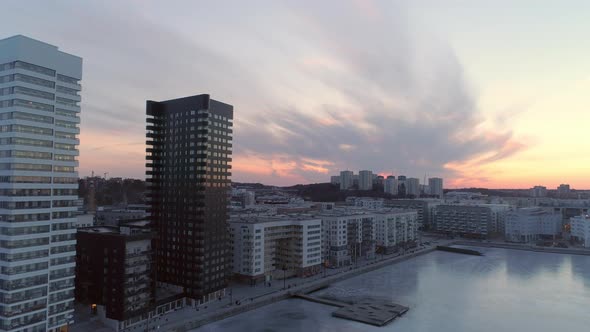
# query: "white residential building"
{"type": "Point", "coordinates": [390, 185]}
{"type": "Point", "coordinates": [436, 187]}
{"type": "Point", "coordinates": [413, 187]}
{"type": "Point", "coordinates": [365, 180]}
{"type": "Point", "coordinates": [346, 180]}
{"type": "Point", "coordinates": [348, 234]}
{"type": "Point", "coordinates": [531, 224]}
{"type": "Point", "coordinates": [580, 229]}
{"type": "Point", "coordinates": [395, 228]}
{"type": "Point", "coordinates": [84, 220]}
{"type": "Point", "coordinates": [273, 247]}
{"type": "Point", "coordinates": [367, 202]}
{"type": "Point", "coordinates": [39, 116]}
{"type": "Point", "coordinates": [499, 212]}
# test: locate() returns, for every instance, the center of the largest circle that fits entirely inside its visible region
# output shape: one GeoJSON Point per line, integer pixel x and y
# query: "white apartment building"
{"type": "Point", "coordinates": [348, 234]}
{"type": "Point", "coordinates": [436, 187]}
{"type": "Point", "coordinates": [39, 119]}
{"type": "Point", "coordinates": [580, 229]}
{"type": "Point", "coordinates": [390, 185]}
{"type": "Point", "coordinates": [413, 187]}
{"type": "Point", "coordinates": [395, 228]}
{"type": "Point", "coordinates": [346, 180]}
{"type": "Point", "coordinates": [274, 247]}
{"type": "Point", "coordinates": [365, 180]}
{"type": "Point", "coordinates": [499, 212]}
{"type": "Point", "coordinates": [366, 202]}
{"type": "Point", "coordinates": [531, 224]}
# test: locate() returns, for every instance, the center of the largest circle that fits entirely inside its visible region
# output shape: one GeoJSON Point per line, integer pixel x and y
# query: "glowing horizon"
{"type": "Point", "coordinates": [481, 94]}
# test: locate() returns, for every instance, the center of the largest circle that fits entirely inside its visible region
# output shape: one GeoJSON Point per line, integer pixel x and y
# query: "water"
{"type": "Point", "coordinates": [505, 290]}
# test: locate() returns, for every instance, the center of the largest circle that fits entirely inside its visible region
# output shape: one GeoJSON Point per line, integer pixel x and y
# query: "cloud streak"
{"type": "Point", "coordinates": [315, 89]}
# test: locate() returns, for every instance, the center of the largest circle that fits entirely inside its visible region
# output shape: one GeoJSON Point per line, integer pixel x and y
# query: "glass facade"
{"type": "Point", "coordinates": [35, 244]}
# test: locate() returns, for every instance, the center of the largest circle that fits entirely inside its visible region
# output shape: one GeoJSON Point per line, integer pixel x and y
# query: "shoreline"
{"type": "Point", "coordinates": [287, 294]}
{"type": "Point", "coordinates": [520, 246]}
{"type": "Point", "coordinates": [324, 282]}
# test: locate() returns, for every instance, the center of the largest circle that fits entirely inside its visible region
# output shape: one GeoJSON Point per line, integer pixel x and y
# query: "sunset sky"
{"type": "Point", "coordinates": [482, 93]}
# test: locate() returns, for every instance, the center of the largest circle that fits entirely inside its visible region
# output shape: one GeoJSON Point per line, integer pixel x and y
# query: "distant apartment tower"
{"type": "Point", "coordinates": [346, 178]}
{"type": "Point", "coordinates": [390, 185]}
{"type": "Point", "coordinates": [189, 144]}
{"type": "Point", "coordinates": [401, 185]}
{"type": "Point", "coordinates": [365, 180]}
{"type": "Point", "coordinates": [379, 180]}
{"type": "Point", "coordinates": [355, 180]}
{"type": "Point", "coordinates": [435, 185]}
{"type": "Point", "coordinates": [539, 191]}
{"type": "Point", "coordinates": [413, 187]}
{"type": "Point", "coordinates": [563, 189]}
{"type": "Point", "coordinates": [39, 113]}
{"type": "Point", "coordinates": [335, 179]}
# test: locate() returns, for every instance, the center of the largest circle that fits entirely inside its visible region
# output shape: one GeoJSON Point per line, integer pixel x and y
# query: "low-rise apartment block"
{"type": "Point", "coordinates": [115, 272]}
{"type": "Point", "coordinates": [275, 247]}
{"type": "Point", "coordinates": [532, 224]}
{"type": "Point", "coordinates": [395, 229]}
{"type": "Point", "coordinates": [424, 208]}
{"type": "Point", "coordinates": [464, 220]}
{"type": "Point", "coordinates": [580, 229]}
{"type": "Point", "coordinates": [347, 235]}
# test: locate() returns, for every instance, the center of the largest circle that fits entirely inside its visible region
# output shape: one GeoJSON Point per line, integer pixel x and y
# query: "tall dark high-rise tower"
{"type": "Point", "coordinates": [189, 144]}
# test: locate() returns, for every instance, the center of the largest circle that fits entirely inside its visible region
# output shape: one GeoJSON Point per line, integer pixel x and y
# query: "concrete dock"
{"type": "Point", "coordinates": [321, 300]}
{"type": "Point", "coordinates": [369, 311]}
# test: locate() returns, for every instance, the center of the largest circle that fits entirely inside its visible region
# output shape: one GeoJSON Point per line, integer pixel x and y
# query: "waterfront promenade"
{"type": "Point", "coordinates": [253, 297]}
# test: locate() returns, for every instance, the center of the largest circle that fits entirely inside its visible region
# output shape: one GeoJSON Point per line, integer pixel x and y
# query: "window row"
{"type": "Point", "coordinates": [27, 91]}
{"type": "Point", "coordinates": [36, 142]}
{"type": "Point", "coordinates": [24, 230]}
{"type": "Point", "coordinates": [26, 103]}
{"type": "Point", "coordinates": [27, 79]}
{"type": "Point", "coordinates": [37, 179]}
{"type": "Point", "coordinates": [26, 117]}
{"type": "Point", "coordinates": [16, 128]}
{"type": "Point", "coordinates": [29, 67]}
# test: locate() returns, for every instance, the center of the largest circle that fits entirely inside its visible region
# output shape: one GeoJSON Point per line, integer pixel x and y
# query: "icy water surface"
{"type": "Point", "coordinates": [505, 290]}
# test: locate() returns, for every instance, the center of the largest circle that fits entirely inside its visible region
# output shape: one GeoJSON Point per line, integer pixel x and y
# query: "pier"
{"type": "Point", "coordinates": [459, 250]}
{"type": "Point", "coordinates": [369, 311]}
{"type": "Point", "coordinates": [377, 313]}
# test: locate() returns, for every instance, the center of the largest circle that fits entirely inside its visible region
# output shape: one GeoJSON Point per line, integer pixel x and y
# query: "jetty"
{"type": "Point", "coordinates": [459, 250]}
{"type": "Point", "coordinates": [368, 311]}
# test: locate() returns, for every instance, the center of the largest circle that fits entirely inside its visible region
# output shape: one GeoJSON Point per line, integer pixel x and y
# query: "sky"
{"type": "Point", "coordinates": [482, 93]}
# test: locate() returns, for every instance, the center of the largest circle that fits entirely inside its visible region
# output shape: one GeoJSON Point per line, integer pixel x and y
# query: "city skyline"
{"type": "Point", "coordinates": [411, 88]}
